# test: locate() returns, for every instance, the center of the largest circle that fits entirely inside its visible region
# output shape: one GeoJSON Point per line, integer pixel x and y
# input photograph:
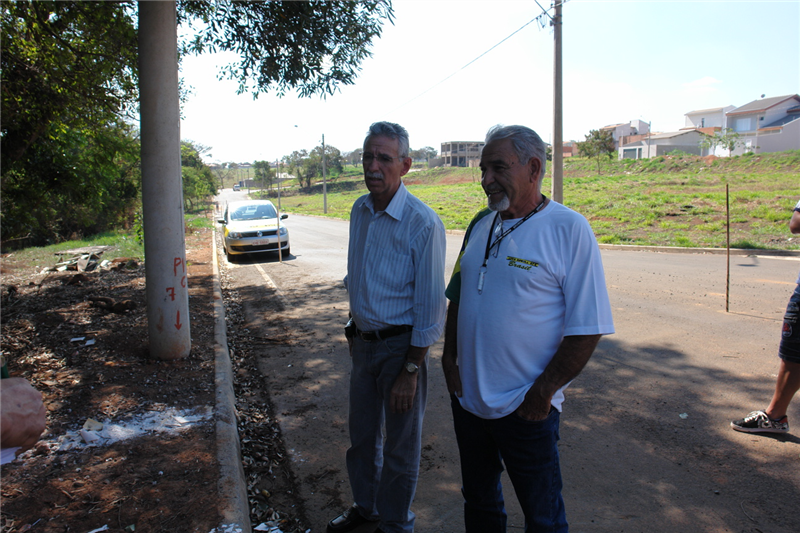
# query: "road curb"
{"type": "Point", "coordinates": [714, 251]}
{"type": "Point", "coordinates": [233, 503]}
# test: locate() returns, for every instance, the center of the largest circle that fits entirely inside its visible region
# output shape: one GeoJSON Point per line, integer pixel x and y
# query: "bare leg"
{"type": "Point", "coordinates": [787, 384]}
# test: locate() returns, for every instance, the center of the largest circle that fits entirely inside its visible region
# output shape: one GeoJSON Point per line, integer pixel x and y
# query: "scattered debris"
{"type": "Point", "coordinates": [109, 304]}
{"type": "Point", "coordinates": [228, 528]}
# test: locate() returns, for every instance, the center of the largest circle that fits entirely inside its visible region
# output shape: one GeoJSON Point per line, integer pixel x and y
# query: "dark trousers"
{"type": "Point", "coordinates": [529, 451]}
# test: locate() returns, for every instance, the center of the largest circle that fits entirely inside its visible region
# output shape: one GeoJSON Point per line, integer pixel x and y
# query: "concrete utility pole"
{"type": "Point", "coordinates": [162, 193]}
{"type": "Point", "coordinates": [558, 132]}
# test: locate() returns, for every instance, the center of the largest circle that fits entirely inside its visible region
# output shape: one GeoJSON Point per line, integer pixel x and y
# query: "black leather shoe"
{"type": "Point", "coordinates": [347, 521]}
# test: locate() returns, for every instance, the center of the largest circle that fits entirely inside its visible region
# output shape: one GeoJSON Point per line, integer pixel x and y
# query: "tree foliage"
{"type": "Point", "coordinates": [598, 144]}
{"type": "Point", "coordinates": [306, 166]}
{"type": "Point", "coordinates": [69, 162]}
{"type": "Point", "coordinates": [79, 183]}
{"type": "Point", "coordinates": [313, 46]}
{"type": "Point", "coordinates": [423, 154]}
{"type": "Point", "coordinates": [65, 65]}
{"type": "Point", "coordinates": [263, 174]}
{"type": "Point", "coordinates": [198, 180]}
{"type": "Point", "coordinates": [354, 157]}
{"type": "Point", "coordinates": [725, 138]}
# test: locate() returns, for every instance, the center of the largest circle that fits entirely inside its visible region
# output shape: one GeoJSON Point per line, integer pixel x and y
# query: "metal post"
{"type": "Point", "coordinates": [728, 232]}
{"type": "Point", "coordinates": [558, 136]}
{"type": "Point", "coordinates": [162, 192]}
{"type": "Point", "coordinates": [324, 180]}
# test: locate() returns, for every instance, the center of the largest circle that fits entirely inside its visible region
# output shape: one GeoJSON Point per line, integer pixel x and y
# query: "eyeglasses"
{"type": "Point", "coordinates": [383, 159]}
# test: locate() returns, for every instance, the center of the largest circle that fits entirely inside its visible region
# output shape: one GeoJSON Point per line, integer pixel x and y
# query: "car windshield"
{"type": "Point", "coordinates": [254, 212]}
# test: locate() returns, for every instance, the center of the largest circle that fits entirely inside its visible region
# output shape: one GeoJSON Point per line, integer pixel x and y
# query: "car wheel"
{"type": "Point", "coordinates": [229, 256]}
{"type": "Point", "coordinates": [287, 252]}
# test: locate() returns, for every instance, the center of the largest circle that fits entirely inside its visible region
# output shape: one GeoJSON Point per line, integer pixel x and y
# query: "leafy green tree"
{"type": "Point", "coordinates": [65, 65]}
{"type": "Point", "coordinates": [724, 138]}
{"type": "Point", "coordinates": [297, 166]}
{"type": "Point", "coordinates": [263, 174]}
{"type": "Point", "coordinates": [198, 180]}
{"type": "Point", "coordinates": [729, 140]}
{"type": "Point", "coordinates": [423, 154]}
{"type": "Point", "coordinates": [709, 142]}
{"type": "Point", "coordinates": [313, 46]}
{"type": "Point", "coordinates": [598, 144]}
{"type": "Point", "coordinates": [225, 174]}
{"type": "Point", "coordinates": [81, 183]}
{"type": "Point", "coordinates": [68, 72]}
{"type": "Point", "coordinates": [354, 157]}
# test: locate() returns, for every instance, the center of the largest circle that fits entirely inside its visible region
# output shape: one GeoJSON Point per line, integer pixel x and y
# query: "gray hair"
{"type": "Point", "coordinates": [526, 142]}
{"type": "Point", "coordinates": [393, 131]}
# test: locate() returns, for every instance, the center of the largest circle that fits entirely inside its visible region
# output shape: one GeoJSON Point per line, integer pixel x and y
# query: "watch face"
{"type": "Point", "coordinates": [411, 367]}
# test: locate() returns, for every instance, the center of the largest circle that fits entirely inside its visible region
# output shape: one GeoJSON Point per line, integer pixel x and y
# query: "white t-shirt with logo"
{"type": "Point", "coordinates": [545, 283]}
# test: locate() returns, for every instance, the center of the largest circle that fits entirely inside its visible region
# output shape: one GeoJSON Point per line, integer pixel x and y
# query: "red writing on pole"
{"type": "Point", "coordinates": [178, 262]}
{"type": "Point", "coordinates": [183, 282]}
{"type": "Point", "coordinates": [178, 321]}
{"type": "Point", "coordinates": [171, 293]}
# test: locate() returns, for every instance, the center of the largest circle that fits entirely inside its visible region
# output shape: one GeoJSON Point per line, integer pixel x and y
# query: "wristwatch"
{"type": "Point", "coordinates": [412, 368]}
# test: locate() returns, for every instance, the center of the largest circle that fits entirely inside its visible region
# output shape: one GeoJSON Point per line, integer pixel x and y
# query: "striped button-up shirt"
{"type": "Point", "coordinates": [395, 267]}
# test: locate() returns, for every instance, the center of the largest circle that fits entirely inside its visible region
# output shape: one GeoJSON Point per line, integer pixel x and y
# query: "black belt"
{"type": "Point", "coordinates": [383, 334]}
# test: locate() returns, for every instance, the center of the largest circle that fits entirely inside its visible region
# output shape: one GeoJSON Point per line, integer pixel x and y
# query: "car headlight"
{"type": "Point", "coordinates": [284, 231]}
{"type": "Point", "coordinates": [235, 234]}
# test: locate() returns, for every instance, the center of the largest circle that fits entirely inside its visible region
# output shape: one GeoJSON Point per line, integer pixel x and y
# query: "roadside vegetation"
{"type": "Point", "coordinates": [676, 200]}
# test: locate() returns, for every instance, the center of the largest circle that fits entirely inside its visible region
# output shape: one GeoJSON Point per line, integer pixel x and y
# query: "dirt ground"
{"type": "Point", "coordinates": [159, 481]}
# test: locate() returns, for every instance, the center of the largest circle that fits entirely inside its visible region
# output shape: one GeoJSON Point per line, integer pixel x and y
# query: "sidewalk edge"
{"type": "Point", "coordinates": [234, 506]}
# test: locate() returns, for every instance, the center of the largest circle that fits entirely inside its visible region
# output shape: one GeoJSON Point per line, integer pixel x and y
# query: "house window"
{"type": "Point", "coordinates": [743, 124]}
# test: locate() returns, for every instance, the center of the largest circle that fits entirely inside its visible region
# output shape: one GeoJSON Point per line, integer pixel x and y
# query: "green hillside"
{"type": "Point", "coordinates": [664, 201]}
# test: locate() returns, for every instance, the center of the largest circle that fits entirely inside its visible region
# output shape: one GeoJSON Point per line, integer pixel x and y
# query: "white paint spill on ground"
{"type": "Point", "coordinates": [169, 420]}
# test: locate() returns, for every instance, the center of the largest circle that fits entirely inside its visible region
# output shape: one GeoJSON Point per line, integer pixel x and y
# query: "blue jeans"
{"type": "Point", "coordinates": [529, 451]}
{"type": "Point", "coordinates": [790, 335]}
{"type": "Point", "coordinates": [384, 470]}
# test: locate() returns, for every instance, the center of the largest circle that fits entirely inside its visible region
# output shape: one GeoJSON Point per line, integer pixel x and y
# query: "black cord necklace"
{"type": "Point", "coordinates": [490, 244]}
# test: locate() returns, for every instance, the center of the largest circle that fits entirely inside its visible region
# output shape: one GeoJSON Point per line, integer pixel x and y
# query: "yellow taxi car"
{"type": "Point", "coordinates": [252, 226]}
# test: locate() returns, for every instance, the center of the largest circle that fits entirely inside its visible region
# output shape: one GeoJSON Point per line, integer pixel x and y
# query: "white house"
{"type": "Point", "coordinates": [661, 144]}
{"type": "Point", "coordinates": [767, 125]}
{"type": "Point", "coordinates": [620, 131]}
{"type": "Point", "coordinates": [708, 118]}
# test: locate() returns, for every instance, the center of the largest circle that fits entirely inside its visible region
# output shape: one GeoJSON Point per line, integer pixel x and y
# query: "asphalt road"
{"type": "Point", "coordinates": [646, 444]}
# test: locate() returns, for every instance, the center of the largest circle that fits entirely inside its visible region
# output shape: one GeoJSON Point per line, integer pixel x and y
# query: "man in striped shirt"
{"type": "Point", "coordinates": [395, 281]}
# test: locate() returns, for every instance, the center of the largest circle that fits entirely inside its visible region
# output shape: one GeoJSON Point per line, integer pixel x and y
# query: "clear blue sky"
{"type": "Point", "coordinates": [622, 60]}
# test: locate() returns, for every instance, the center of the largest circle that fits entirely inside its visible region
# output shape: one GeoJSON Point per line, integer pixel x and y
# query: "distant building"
{"type": "Point", "coordinates": [656, 144]}
{"type": "Point", "coordinates": [767, 125]}
{"type": "Point", "coordinates": [570, 149]}
{"type": "Point", "coordinates": [461, 153]}
{"type": "Point", "coordinates": [622, 132]}
{"type": "Point", "coordinates": [708, 118]}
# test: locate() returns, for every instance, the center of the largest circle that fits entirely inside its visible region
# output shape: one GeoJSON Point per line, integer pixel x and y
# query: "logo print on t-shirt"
{"type": "Point", "coordinates": [524, 264]}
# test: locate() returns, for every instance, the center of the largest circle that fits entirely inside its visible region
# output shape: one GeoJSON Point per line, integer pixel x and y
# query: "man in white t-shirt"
{"type": "Point", "coordinates": [528, 305]}
{"type": "Point", "coordinates": [773, 419]}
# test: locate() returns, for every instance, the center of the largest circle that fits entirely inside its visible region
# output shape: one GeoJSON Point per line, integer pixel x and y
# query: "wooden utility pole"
{"type": "Point", "coordinates": [558, 135]}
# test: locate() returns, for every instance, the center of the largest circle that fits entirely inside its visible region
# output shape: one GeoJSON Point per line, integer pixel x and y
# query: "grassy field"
{"type": "Point", "coordinates": [664, 201]}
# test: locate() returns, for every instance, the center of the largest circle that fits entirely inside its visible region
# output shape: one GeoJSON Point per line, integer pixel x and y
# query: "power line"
{"type": "Point", "coordinates": [542, 19]}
